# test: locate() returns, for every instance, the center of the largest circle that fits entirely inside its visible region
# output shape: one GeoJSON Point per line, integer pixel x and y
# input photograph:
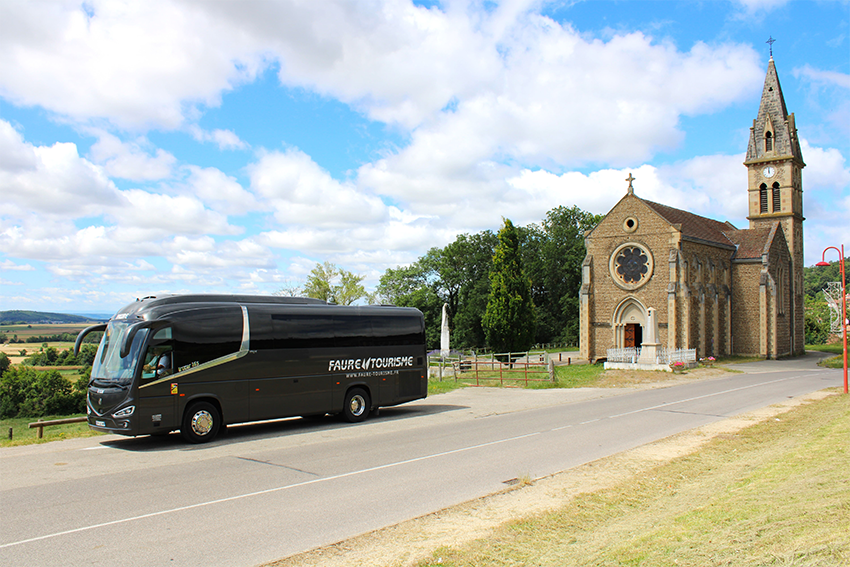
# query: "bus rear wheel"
{"type": "Point", "coordinates": [357, 405]}
{"type": "Point", "coordinates": [201, 423]}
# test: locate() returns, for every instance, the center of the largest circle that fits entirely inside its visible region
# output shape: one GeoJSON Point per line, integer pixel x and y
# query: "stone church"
{"type": "Point", "coordinates": [713, 287]}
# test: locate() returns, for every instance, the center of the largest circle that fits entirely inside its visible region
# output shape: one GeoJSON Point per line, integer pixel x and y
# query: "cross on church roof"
{"type": "Point", "coordinates": [771, 41]}
{"type": "Point", "coordinates": [630, 179]}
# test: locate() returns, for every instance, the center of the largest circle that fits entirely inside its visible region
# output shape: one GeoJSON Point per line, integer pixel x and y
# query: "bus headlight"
{"type": "Point", "coordinates": [126, 412]}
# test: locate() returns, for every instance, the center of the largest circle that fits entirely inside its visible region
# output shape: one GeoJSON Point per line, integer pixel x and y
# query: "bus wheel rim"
{"type": "Point", "coordinates": [202, 422]}
{"type": "Point", "coordinates": [358, 404]}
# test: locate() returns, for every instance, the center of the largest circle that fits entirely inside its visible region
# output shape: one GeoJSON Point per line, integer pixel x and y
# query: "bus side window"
{"type": "Point", "coordinates": [158, 359]}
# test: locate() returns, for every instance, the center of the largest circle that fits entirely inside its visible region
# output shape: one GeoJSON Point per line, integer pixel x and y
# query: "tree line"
{"type": "Point", "coordinates": [465, 274]}
{"type": "Point", "coordinates": [483, 278]}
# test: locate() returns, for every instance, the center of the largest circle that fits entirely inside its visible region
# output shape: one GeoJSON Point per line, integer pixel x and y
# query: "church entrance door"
{"type": "Point", "coordinates": [633, 335]}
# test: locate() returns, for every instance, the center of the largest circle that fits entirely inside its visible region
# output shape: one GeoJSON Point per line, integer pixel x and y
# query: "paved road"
{"type": "Point", "coordinates": [269, 490]}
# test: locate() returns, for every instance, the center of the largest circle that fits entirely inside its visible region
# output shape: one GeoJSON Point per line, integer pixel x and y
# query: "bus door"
{"type": "Point", "coordinates": [293, 377]}
{"type": "Point", "coordinates": [157, 400]}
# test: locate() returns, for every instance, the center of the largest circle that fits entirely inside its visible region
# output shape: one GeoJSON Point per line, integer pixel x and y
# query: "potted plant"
{"type": "Point", "coordinates": [677, 367]}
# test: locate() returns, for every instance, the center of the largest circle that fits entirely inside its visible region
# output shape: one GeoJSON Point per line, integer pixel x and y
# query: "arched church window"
{"type": "Point", "coordinates": [763, 198]}
{"type": "Point", "coordinates": [777, 199]}
{"type": "Point", "coordinates": [768, 141]}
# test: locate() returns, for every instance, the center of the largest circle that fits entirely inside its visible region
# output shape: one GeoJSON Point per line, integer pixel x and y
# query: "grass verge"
{"type": "Point", "coordinates": [834, 348]}
{"type": "Point", "coordinates": [776, 493]}
{"type": "Point", "coordinates": [23, 435]}
{"type": "Point", "coordinates": [574, 376]}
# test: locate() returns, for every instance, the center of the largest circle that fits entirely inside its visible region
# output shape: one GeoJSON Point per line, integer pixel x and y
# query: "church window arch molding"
{"type": "Point", "coordinates": [763, 198]}
{"type": "Point", "coordinates": [768, 141]}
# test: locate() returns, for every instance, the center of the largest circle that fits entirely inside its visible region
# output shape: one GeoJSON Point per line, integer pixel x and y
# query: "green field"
{"type": "Point", "coordinates": [24, 331]}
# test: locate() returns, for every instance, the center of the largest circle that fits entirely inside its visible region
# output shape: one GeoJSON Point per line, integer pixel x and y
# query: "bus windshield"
{"type": "Point", "coordinates": [109, 366]}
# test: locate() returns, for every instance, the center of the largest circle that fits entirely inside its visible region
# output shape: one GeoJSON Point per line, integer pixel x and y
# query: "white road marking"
{"type": "Point", "coordinates": [267, 491]}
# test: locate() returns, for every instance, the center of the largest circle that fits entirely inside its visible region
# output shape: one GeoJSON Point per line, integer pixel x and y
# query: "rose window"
{"type": "Point", "coordinates": [632, 264]}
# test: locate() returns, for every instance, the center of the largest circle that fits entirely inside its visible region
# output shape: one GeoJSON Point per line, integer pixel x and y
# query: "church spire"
{"type": "Point", "coordinates": [774, 134]}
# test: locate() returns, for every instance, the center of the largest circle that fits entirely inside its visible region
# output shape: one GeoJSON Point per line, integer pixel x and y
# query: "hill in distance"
{"type": "Point", "coordinates": [40, 317]}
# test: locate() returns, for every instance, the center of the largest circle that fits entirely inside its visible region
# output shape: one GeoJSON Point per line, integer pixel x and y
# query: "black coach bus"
{"type": "Point", "coordinates": [198, 362]}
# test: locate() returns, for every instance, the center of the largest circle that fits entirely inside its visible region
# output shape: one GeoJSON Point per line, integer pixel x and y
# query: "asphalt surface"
{"type": "Point", "coordinates": [269, 490]}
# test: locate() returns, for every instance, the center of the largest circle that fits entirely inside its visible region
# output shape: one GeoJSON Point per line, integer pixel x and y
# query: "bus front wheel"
{"type": "Point", "coordinates": [357, 405]}
{"type": "Point", "coordinates": [200, 423]}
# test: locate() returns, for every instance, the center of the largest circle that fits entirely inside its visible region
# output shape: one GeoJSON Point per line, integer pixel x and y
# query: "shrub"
{"type": "Point", "coordinates": [25, 392]}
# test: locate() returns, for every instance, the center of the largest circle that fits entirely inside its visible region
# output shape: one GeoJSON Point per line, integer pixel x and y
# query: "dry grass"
{"type": "Point", "coordinates": [729, 493]}
{"type": "Point", "coordinates": [777, 493]}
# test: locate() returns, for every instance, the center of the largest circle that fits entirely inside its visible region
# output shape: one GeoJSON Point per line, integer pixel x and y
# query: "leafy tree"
{"type": "Point", "coordinates": [408, 287]}
{"type": "Point", "coordinates": [509, 320]}
{"type": "Point", "coordinates": [815, 278]}
{"type": "Point", "coordinates": [816, 319]}
{"type": "Point", "coordinates": [461, 279]}
{"type": "Point", "coordinates": [86, 355]}
{"type": "Point", "coordinates": [457, 275]}
{"type": "Point", "coordinates": [4, 363]}
{"type": "Point", "coordinates": [350, 288]}
{"type": "Point", "coordinates": [321, 284]}
{"type": "Point", "coordinates": [25, 392]}
{"type": "Point", "coordinates": [552, 257]}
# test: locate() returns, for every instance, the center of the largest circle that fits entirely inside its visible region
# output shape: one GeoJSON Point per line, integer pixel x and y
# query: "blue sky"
{"type": "Point", "coordinates": [183, 146]}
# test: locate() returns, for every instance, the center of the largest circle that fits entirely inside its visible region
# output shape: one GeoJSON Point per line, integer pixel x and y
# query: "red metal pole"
{"type": "Point", "coordinates": [844, 313]}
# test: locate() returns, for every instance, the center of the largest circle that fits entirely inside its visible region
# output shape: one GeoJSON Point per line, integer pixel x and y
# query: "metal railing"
{"type": "Point", "coordinates": [664, 356]}
{"type": "Point", "coordinates": [512, 367]}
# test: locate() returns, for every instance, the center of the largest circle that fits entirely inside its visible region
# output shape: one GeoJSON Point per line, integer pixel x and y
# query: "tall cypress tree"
{"type": "Point", "coordinates": [509, 321]}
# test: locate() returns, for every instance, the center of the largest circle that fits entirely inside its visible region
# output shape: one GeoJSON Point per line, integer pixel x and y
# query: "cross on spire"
{"type": "Point", "coordinates": [771, 41]}
{"type": "Point", "coordinates": [630, 179]}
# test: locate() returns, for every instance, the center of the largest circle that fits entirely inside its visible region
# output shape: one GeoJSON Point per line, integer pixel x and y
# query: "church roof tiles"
{"type": "Point", "coordinates": [748, 243]}
{"type": "Point", "coordinates": [695, 226]}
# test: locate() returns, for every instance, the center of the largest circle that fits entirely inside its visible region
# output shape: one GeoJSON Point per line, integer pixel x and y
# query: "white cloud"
{"type": "Point", "coordinates": [136, 64]}
{"type": "Point", "coordinates": [834, 78]}
{"type": "Point", "coordinates": [10, 265]}
{"type": "Point", "coordinates": [751, 7]}
{"type": "Point", "coordinates": [129, 160]}
{"type": "Point", "coordinates": [219, 191]}
{"type": "Point", "coordinates": [166, 215]}
{"type": "Point", "coordinates": [826, 169]}
{"type": "Point", "coordinates": [302, 193]}
{"type": "Point", "coordinates": [51, 180]}
{"type": "Point", "coordinates": [225, 139]}
{"type": "Point", "coordinates": [532, 80]}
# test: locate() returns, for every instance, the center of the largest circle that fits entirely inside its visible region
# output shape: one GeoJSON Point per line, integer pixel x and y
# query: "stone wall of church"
{"type": "Point", "coordinates": [704, 287]}
{"type": "Point", "coordinates": [779, 268]}
{"type": "Point", "coordinates": [651, 233]}
{"type": "Point", "coordinates": [746, 312]}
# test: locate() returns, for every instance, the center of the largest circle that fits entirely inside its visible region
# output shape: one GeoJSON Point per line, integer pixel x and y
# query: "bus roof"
{"type": "Point", "coordinates": [154, 307]}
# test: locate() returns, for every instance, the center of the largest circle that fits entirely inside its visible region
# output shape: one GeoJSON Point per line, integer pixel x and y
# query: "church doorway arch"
{"type": "Point", "coordinates": [629, 323]}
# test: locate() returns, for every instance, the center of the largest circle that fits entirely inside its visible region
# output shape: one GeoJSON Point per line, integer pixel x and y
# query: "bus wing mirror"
{"type": "Point", "coordinates": [84, 332]}
{"type": "Point", "coordinates": [131, 334]}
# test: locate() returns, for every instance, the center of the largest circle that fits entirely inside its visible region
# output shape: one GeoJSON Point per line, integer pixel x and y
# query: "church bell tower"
{"type": "Point", "coordinates": [775, 182]}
